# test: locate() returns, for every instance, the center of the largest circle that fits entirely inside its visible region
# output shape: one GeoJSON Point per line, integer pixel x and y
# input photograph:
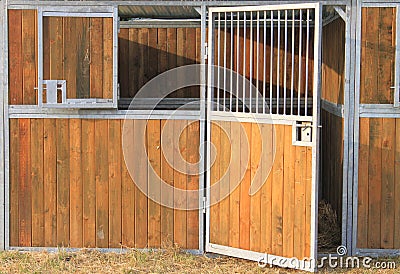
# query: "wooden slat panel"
{"type": "Point", "coordinates": [108, 62]}
{"type": "Point", "coordinates": [14, 182]}
{"type": "Point", "coordinates": [143, 38]}
{"type": "Point", "coordinates": [193, 157]}
{"type": "Point", "coordinates": [299, 220]}
{"type": "Point", "coordinates": [167, 175]}
{"type": "Point", "coordinates": [152, 54]}
{"type": "Point", "coordinates": [15, 57]}
{"type": "Point", "coordinates": [214, 178]}
{"type": "Point", "coordinates": [245, 141]}
{"type": "Point", "coordinates": [375, 182]}
{"type": "Point", "coordinates": [234, 178]}
{"type": "Point", "coordinates": [255, 202]}
{"type": "Point", "coordinates": [362, 227]}
{"type": "Point", "coordinates": [56, 47]}
{"type": "Point", "coordinates": [89, 186]}
{"type": "Point", "coordinates": [29, 53]}
{"type": "Point", "coordinates": [308, 203]}
{"type": "Point", "coordinates": [140, 170]}
{"type": "Point", "coordinates": [115, 161]}
{"type": "Point", "coordinates": [396, 236]}
{"type": "Point", "coordinates": [76, 183]}
{"type": "Point", "coordinates": [50, 181]}
{"type": "Point", "coordinates": [71, 35]}
{"type": "Point", "coordinates": [25, 184]}
{"type": "Point", "coordinates": [124, 60]}
{"type": "Point", "coordinates": [180, 183]}
{"type": "Point", "coordinates": [83, 57]}
{"type": "Point", "coordinates": [37, 149]}
{"type": "Point", "coordinates": [102, 188]}
{"type": "Point", "coordinates": [172, 49]}
{"type": "Point", "coordinates": [133, 62]}
{"type": "Point", "coordinates": [96, 58]}
{"type": "Point", "coordinates": [63, 182]}
{"type": "Point", "coordinates": [154, 173]}
{"type": "Point", "coordinates": [128, 187]}
{"type": "Point", "coordinates": [224, 158]}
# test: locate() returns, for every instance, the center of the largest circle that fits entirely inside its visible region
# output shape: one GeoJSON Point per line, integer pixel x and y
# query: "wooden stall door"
{"type": "Point", "coordinates": [261, 184]}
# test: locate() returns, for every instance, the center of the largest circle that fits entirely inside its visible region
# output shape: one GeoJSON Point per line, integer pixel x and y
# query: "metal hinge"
{"type": "Point", "coordinates": [206, 50]}
{"type": "Point", "coordinates": [119, 25]}
{"type": "Point", "coordinates": [204, 204]}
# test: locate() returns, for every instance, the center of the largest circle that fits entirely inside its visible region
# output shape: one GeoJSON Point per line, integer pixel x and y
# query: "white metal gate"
{"type": "Point", "coordinates": [263, 79]}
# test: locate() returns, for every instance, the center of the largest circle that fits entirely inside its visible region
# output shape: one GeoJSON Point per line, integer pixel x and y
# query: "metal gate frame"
{"type": "Point", "coordinates": [246, 254]}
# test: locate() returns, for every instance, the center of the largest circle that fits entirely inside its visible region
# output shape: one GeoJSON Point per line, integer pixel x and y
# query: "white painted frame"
{"type": "Point", "coordinates": [315, 119]}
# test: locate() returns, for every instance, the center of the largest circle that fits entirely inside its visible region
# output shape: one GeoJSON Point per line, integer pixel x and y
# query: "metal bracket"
{"type": "Point", "coordinates": [204, 204]}
{"type": "Point", "coordinates": [206, 51]}
{"type": "Point", "coordinates": [302, 133]}
{"type": "Point", "coordinates": [340, 12]}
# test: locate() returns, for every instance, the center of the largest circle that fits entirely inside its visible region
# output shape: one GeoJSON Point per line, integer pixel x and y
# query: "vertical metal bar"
{"type": "Point", "coordinates": [251, 64]}
{"type": "Point", "coordinates": [219, 59]}
{"type": "Point", "coordinates": [244, 61]}
{"type": "Point", "coordinates": [292, 66]}
{"type": "Point", "coordinates": [258, 57]}
{"type": "Point", "coordinates": [265, 59]}
{"type": "Point", "coordinates": [203, 102]}
{"type": "Point", "coordinates": [278, 62]}
{"type": "Point", "coordinates": [231, 80]}
{"type": "Point", "coordinates": [271, 62]}
{"type": "Point", "coordinates": [224, 62]}
{"type": "Point", "coordinates": [307, 49]}
{"type": "Point", "coordinates": [40, 56]}
{"type": "Point", "coordinates": [285, 65]}
{"type": "Point", "coordinates": [397, 61]}
{"type": "Point", "coordinates": [237, 61]}
{"type": "Point", "coordinates": [316, 128]}
{"type": "Point", "coordinates": [300, 56]}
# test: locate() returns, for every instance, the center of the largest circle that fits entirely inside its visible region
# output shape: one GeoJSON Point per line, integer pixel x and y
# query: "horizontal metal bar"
{"type": "Point", "coordinates": [377, 4]}
{"type": "Point", "coordinates": [66, 13]}
{"type": "Point", "coordinates": [161, 23]}
{"type": "Point", "coordinates": [379, 110]}
{"type": "Point", "coordinates": [335, 109]}
{"type": "Point", "coordinates": [258, 118]}
{"type": "Point", "coordinates": [101, 250]}
{"type": "Point", "coordinates": [264, 7]}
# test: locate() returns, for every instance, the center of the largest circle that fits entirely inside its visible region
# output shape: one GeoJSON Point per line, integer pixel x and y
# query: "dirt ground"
{"type": "Point", "coordinates": [170, 261]}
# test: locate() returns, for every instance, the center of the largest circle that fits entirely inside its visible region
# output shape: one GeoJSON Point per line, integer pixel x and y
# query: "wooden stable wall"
{"type": "Point", "coordinates": [333, 80]}
{"type": "Point", "coordinates": [379, 143]}
{"type": "Point", "coordinates": [277, 219]}
{"type": "Point", "coordinates": [79, 50]}
{"type": "Point", "coordinates": [69, 185]}
{"type": "Point", "coordinates": [147, 52]}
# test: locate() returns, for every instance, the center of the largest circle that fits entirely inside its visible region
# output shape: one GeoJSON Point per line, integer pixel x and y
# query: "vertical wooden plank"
{"type": "Point", "coordinates": [167, 175]}
{"type": "Point", "coordinates": [14, 182]}
{"type": "Point", "coordinates": [128, 187]}
{"type": "Point", "coordinates": [180, 54]}
{"type": "Point", "coordinates": [124, 60]}
{"type": "Point", "coordinates": [108, 63]}
{"type": "Point", "coordinates": [143, 38]}
{"type": "Point", "coordinates": [288, 193]}
{"type": "Point", "coordinates": [89, 186]}
{"type": "Point", "coordinates": [102, 190]}
{"type": "Point", "coordinates": [72, 33]}
{"type": "Point", "coordinates": [63, 176]}
{"type": "Point", "coordinates": [255, 202]}
{"type": "Point", "coordinates": [154, 173]}
{"type": "Point", "coordinates": [50, 181]}
{"type": "Point", "coordinates": [277, 192]}
{"type": "Point", "coordinates": [225, 157]}
{"type": "Point", "coordinates": [172, 50]}
{"type": "Point", "coordinates": [180, 182]}
{"type": "Point", "coordinates": [28, 51]}
{"type": "Point", "coordinates": [162, 50]}
{"type": "Point", "coordinates": [15, 57]}
{"type": "Point", "coordinates": [267, 132]}
{"type": "Point", "coordinates": [244, 212]}
{"type": "Point", "coordinates": [299, 219]}
{"type": "Point", "coordinates": [152, 54]}
{"type": "Point", "coordinates": [96, 58]}
{"type": "Point", "coordinates": [83, 73]}
{"type": "Point", "coordinates": [193, 157]}
{"type": "Point", "coordinates": [192, 92]}
{"type": "Point", "coordinates": [387, 198]}
{"type": "Point", "coordinates": [115, 182]}
{"type": "Point", "coordinates": [56, 47]}
{"type": "Point", "coordinates": [140, 171]}
{"type": "Point", "coordinates": [396, 236]}
{"type": "Point", "coordinates": [234, 178]}
{"type": "Point", "coordinates": [25, 184]}
{"type": "Point", "coordinates": [214, 178]}
{"type": "Point", "coordinates": [133, 62]}
{"type": "Point", "coordinates": [308, 181]}
{"type": "Point", "coordinates": [76, 183]}
{"type": "Point", "coordinates": [363, 181]}
{"type": "Point", "coordinates": [37, 182]}
{"type": "Point", "coordinates": [375, 182]}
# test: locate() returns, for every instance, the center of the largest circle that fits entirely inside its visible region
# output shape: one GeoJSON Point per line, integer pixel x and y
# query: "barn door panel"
{"type": "Point", "coordinates": [263, 64]}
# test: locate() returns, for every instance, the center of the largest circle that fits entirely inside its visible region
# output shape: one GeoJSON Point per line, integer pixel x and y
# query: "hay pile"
{"type": "Point", "coordinates": [329, 234]}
